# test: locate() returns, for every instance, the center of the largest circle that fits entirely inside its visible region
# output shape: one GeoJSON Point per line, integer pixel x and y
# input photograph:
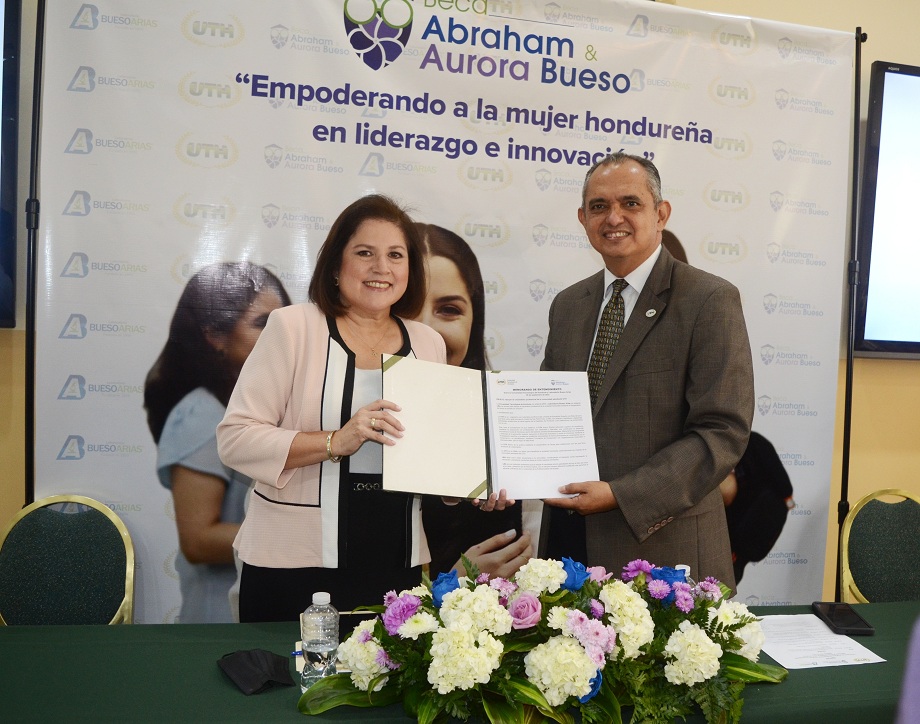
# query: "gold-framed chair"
{"type": "Point", "coordinates": [880, 548]}
{"type": "Point", "coordinates": [66, 559]}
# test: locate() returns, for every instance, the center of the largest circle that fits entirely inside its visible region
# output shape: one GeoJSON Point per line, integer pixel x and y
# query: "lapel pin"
{"type": "Point", "coordinates": [650, 313]}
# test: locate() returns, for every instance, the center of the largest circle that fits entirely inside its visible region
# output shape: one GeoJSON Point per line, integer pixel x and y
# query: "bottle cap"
{"type": "Point", "coordinates": [321, 598]}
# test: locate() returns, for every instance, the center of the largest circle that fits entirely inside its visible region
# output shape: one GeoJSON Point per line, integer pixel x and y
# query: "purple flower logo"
{"type": "Point", "coordinates": [378, 30]}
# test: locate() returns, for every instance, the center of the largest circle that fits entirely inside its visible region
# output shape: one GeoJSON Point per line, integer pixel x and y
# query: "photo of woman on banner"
{"type": "Point", "coordinates": [306, 421]}
{"type": "Point", "coordinates": [218, 318]}
{"type": "Point", "coordinates": [455, 308]}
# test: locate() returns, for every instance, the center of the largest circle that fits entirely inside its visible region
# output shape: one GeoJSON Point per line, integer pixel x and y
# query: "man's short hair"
{"type": "Point", "coordinates": [653, 178]}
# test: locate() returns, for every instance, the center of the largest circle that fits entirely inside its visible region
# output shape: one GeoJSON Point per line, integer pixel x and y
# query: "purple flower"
{"type": "Point", "coordinates": [389, 597]}
{"type": "Point", "coordinates": [595, 687]}
{"type": "Point", "coordinates": [400, 611]}
{"type": "Point", "coordinates": [577, 618]}
{"type": "Point", "coordinates": [576, 574]}
{"type": "Point", "coordinates": [659, 589]}
{"type": "Point", "coordinates": [525, 611]}
{"type": "Point", "coordinates": [632, 569]}
{"type": "Point", "coordinates": [596, 654]}
{"type": "Point", "coordinates": [482, 578]}
{"type": "Point", "coordinates": [504, 587]}
{"type": "Point", "coordinates": [683, 600]}
{"type": "Point", "coordinates": [365, 636]}
{"type": "Point", "coordinates": [709, 589]}
{"type": "Point", "coordinates": [597, 608]}
{"type": "Point", "coordinates": [445, 583]}
{"type": "Point", "coordinates": [383, 659]}
{"type": "Point", "coordinates": [671, 576]}
{"type": "Point", "coordinates": [599, 574]}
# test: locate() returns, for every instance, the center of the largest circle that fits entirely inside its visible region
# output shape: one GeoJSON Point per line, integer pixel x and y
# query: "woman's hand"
{"type": "Point", "coordinates": [497, 556]}
{"type": "Point", "coordinates": [494, 502]}
{"type": "Point", "coordinates": [372, 422]}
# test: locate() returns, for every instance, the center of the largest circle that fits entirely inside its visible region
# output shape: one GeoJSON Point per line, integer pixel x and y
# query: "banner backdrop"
{"type": "Point", "coordinates": [177, 134]}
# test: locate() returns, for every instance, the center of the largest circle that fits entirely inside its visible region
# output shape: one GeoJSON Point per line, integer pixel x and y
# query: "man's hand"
{"type": "Point", "coordinates": [594, 496]}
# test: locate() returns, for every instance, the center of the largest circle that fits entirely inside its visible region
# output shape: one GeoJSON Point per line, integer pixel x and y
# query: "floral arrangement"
{"type": "Point", "coordinates": [556, 639]}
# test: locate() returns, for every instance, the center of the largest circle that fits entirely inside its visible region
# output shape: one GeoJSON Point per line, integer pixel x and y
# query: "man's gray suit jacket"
{"type": "Point", "coordinates": [672, 417]}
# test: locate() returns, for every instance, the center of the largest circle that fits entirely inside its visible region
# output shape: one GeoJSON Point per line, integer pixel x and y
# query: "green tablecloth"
{"type": "Point", "coordinates": [169, 673]}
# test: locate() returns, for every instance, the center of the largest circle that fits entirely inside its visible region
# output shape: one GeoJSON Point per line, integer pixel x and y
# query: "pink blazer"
{"type": "Point", "coordinates": [294, 380]}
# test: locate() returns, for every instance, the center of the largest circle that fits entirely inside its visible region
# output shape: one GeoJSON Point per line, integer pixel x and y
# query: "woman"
{"type": "Point", "coordinates": [218, 318]}
{"type": "Point", "coordinates": [455, 307]}
{"type": "Point", "coordinates": [306, 422]}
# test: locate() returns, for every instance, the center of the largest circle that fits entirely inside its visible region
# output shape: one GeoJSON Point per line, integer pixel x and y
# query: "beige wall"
{"type": "Point", "coordinates": [12, 413]}
{"type": "Point", "coordinates": [886, 399]}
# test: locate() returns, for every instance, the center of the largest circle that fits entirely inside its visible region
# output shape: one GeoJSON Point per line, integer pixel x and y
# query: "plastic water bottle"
{"type": "Point", "coordinates": [319, 636]}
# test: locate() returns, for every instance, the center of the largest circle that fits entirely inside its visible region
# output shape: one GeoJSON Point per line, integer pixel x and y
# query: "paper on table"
{"type": "Point", "coordinates": [804, 641]}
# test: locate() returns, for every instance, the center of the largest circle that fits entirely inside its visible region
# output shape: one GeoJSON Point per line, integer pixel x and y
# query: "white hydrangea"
{"type": "Point", "coordinates": [475, 610]}
{"type": "Point", "coordinates": [541, 575]}
{"type": "Point", "coordinates": [629, 615]}
{"type": "Point", "coordinates": [694, 656]}
{"type": "Point", "coordinates": [419, 591]}
{"type": "Point", "coordinates": [752, 636]}
{"type": "Point", "coordinates": [359, 653]}
{"type": "Point", "coordinates": [460, 659]}
{"type": "Point", "coordinates": [560, 668]}
{"type": "Point", "coordinates": [421, 623]}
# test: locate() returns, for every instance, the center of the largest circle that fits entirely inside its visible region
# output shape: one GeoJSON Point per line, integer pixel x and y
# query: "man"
{"type": "Point", "coordinates": [675, 401]}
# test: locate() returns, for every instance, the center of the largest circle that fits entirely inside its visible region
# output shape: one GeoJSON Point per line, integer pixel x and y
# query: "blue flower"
{"type": "Point", "coordinates": [595, 687]}
{"type": "Point", "coordinates": [445, 583]}
{"type": "Point", "coordinates": [670, 576]}
{"type": "Point", "coordinates": [576, 574]}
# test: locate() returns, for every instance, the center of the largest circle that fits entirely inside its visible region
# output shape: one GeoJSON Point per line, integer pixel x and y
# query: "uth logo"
{"type": "Point", "coordinates": [378, 30]}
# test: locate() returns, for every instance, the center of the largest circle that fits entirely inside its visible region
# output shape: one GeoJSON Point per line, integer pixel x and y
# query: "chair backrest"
{"type": "Point", "coordinates": [66, 559]}
{"type": "Point", "coordinates": [880, 548]}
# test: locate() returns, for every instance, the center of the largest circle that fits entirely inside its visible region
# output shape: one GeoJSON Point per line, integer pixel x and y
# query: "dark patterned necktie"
{"type": "Point", "coordinates": [608, 335]}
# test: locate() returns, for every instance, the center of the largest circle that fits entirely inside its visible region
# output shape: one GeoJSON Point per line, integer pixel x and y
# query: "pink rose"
{"type": "Point", "coordinates": [525, 611]}
{"type": "Point", "coordinates": [599, 574]}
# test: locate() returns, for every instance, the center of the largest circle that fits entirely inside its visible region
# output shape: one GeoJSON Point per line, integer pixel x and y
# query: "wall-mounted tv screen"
{"type": "Point", "coordinates": [9, 107]}
{"type": "Point", "coordinates": [888, 293]}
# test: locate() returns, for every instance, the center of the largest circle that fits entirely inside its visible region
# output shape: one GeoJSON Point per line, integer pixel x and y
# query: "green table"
{"type": "Point", "coordinates": [168, 673]}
